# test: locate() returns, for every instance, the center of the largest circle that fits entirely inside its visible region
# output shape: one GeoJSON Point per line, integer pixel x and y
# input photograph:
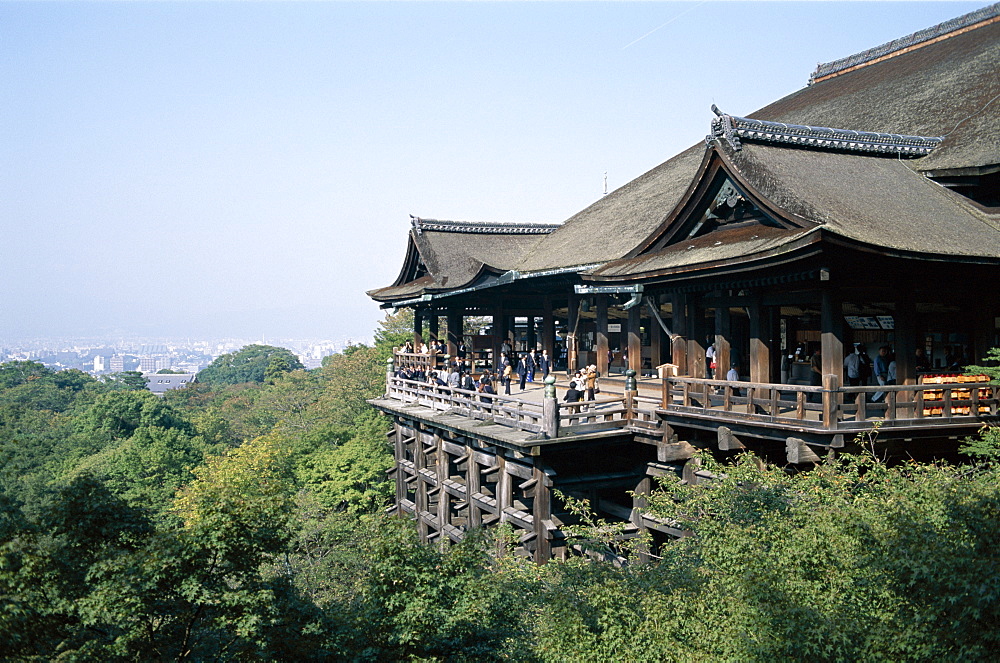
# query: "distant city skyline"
{"type": "Point", "coordinates": [246, 169]}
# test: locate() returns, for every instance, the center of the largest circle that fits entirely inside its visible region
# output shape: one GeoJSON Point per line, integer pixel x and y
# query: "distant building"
{"type": "Point", "coordinates": [99, 364]}
{"type": "Point", "coordinates": [147, 364]}
{"type": "Point", "coordinates": [117, 363]}
{"type": "Point", "coordinates": [160, 383]}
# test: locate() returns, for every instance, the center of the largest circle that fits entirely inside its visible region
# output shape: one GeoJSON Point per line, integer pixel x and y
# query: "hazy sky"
{"type": "Point", "coordinates": [247, 169]}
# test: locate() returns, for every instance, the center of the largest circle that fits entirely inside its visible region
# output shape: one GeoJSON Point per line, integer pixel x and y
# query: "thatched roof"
{"type": "Point", "coordinates": [946, 88]}
{"type": "Point", "coordinates": [937, 91]}
{"type": "Point", "coordinates": [444, 255]}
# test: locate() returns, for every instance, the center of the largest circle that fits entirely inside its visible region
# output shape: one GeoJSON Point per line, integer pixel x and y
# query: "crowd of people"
{"type": "Point", "coordinates": [511, 369]}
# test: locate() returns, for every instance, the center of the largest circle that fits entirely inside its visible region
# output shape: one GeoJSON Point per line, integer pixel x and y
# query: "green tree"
{"type": "Point", "coordinates": [13, 373]}
{"type": "Point", "coordinates": [249, 364]}
{"type": "Point", "coordinates": [125, 381]}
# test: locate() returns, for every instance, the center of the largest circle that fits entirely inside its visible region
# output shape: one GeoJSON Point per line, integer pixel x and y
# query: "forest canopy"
{"type": "Point", "coordinates": [246, 520]}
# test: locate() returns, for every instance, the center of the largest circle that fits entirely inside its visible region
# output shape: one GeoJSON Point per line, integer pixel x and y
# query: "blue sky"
{"type": "Point", "coordinates": [247, 169]}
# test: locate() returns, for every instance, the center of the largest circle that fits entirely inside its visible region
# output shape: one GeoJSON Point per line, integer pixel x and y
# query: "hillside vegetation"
{"type": "Point", "coordinates": [246, 521]}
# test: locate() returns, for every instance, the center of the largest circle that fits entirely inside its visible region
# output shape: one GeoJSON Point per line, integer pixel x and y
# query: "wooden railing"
{"type": "Point", "coordinates": [418, 361]}
{"type": "Point", "coordinates": [829, 407]}
{"type": "Point", "coordinates": [519, 414]}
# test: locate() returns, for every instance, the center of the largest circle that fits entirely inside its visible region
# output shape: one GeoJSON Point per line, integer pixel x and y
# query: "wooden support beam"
{"type": "Point", "coordinates": [444, 498]}
{"type": "Point", "coordinates": [548, 327]}
{"type": "Point", "coordinates": [797, 451]}
{"type": "Point", "coordinates": [418, 328]}
{"type": "Point", "coordinates": [400, 453]}
{"type": "Point", "coordinates": [573, 321]}
{"type": "Point", "coordinates": [432, 326]}
{"type": "Point", "coordinates": [689, 472]}
{"type": "Point", "coordinates": [473, 485]}
{"type": "Point", "coordinates": [761, 338]}
{"type": "Point", "coordinates": [723, 349]}
{"type": "Point", "coordinates": [696, 338]}
{"type": "Point", "coordinates": [454, 320]}
{"type": "Point", "coordinates": [541, 514]}
{"type": "Point", "coordinates": [634, 340]}
{"type": "Point", "coordinates": [728, 441]}
{"type": "Point", "coordinates": [667, 452]}
{"type": "Point", "coordinates": [601, 347]}
{"type": "Point", "coordinates": [679, 325]}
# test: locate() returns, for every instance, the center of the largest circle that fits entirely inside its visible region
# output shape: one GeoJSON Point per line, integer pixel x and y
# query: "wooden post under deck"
{"type": "Point", "coordinates": [541, 514]}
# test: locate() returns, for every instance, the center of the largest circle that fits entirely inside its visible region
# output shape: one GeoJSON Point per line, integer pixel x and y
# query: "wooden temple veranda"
{"type": "Point", "coordinates": [861, 210]}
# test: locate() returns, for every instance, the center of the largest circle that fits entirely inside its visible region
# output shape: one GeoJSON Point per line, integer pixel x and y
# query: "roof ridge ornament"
{"type": "Point", "coordinates": [949, 28]}
{"type": "Point", "coordinates": [733, 129]}
{"type": "Point", "coordinates": [482, 227]}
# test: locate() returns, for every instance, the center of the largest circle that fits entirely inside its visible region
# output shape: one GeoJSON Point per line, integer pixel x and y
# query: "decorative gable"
{"type": "Point", "coordinates": [715, 202]}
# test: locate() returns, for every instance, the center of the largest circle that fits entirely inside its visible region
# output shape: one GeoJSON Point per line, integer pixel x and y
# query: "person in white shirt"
{"type": "Point", "coordinates": [734, 376]}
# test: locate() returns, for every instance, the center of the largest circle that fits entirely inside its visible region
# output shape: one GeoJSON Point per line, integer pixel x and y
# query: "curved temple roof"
{"type": "Point", "coordinates": [932, 97]}
{"type": "Point", "coordinates": [447, 255]}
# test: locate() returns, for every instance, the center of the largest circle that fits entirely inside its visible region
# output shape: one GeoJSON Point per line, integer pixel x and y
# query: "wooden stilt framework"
{"type": "Point", "coordinates": [452, 483]}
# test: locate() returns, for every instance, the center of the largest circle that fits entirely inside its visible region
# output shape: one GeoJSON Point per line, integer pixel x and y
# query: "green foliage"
{"type": "Point", "coordinates": [118, 414]}
{"type": "Point", "coordinates": [246, 522]}
{"type": "Point", "coordinates": [992, 369]}
{"type": "Point", "coordinates": [125, 381]}
{"type": "Point", "coordinates": [394, 330]}
{"type": "Point", "coordinates": [349, 477]}
{"type": "Point", "coordinates": [239, 503]}
{"type": "Point", "coordinates": [15, 373]}
{"type": "Point", "coordinates": [250, 364]}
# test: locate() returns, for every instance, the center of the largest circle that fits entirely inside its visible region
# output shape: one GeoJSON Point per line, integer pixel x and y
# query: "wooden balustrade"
{"type": "Point", "coordinates": [830, 408]}
{"type": "Point", "coordinates": [516, 413]}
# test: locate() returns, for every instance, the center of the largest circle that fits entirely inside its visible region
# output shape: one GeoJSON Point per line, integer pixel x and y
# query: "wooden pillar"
{"type": "Point", "coordinates": [832, 335]}
{"type": "Point", "coordinates": [498, 331]}
{"type": "Point", "coordinates": [723, 348]}
{"type": "Point", "coordinates": [572, 322]}
{"type": "Point", "coordinates": [548, 328]}
{"type": "Point", "coordinates": [418, 328]}
{"type": "Point", "coordinates": [679, 325]}
{"type": "Point", "coordinates": [985, 330]}
{"type": "Point", "coordinates": [454, 320]}
{"type": "Point", "coordinates": [761, 326]}
{"type": "Point", "coordinates": [656, 335]}
{"type": "Point", "coordinates": [505, 487]}
{"type": "Point", "coordinates": [532, 337]}
{"type": "Point", "coordinates": [602, 334]}
{"type": "Point", "coordinates": [400, 449]}
{"type": "Point", "coordinates": [432, 327]}
{"type": "Point", "coordinates": [634, 340]}
{"type": "Point", "coordinates": [473, 486]}
{"type": "Point", "coordinates": [420, 499]}
{"type": "Point", "coordinates": [542, 514]}
{"type": "Point", "coordinates": [444, 497]}
{"type": "Point", "coordinates": [696, 338]}
{"type": "Point", "coordinates": [906, 335]}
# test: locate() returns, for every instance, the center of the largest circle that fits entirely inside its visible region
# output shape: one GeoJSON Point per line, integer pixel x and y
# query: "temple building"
{"type": "Point", "coordinates": [860, 212]}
